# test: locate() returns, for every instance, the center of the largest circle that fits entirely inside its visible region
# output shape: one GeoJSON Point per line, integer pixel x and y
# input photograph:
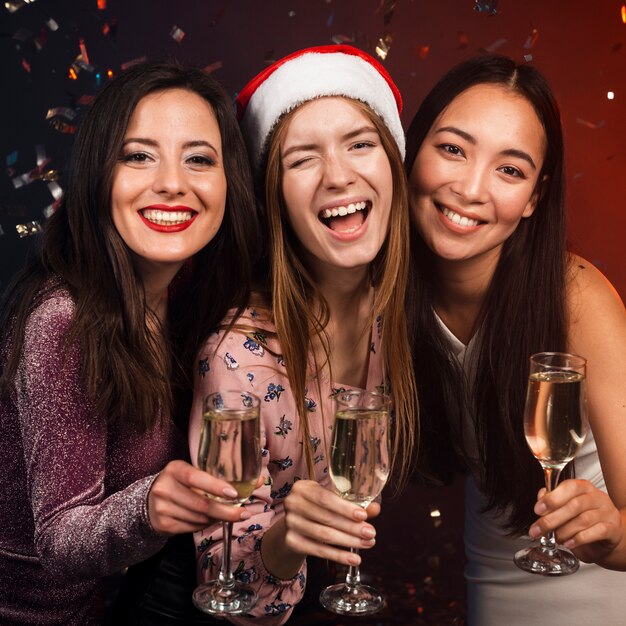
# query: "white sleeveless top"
{"type": "Point", "coordinates": [499, 593]}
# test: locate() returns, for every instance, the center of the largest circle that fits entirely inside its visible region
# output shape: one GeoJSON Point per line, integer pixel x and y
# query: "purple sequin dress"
{"type": "Point", "coordinates": [73, 505]}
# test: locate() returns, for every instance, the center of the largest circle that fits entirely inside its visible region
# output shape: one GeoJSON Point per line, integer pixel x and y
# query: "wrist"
{"type": "Point", "coordinates": [278, 559]}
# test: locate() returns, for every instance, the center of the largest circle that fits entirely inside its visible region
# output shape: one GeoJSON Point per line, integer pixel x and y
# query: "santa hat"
{"type": "Point", "coordinates": [312, 73]}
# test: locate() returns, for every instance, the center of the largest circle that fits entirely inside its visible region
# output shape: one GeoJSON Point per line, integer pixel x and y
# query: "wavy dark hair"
{"type": "Point", "coordinates": [130, 372]}
{"type": "Point", "coordinates": [523, 312]}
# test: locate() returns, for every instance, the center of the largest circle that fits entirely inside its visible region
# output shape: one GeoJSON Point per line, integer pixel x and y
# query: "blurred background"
{"type": "Point", "coordinates": [55, 54]}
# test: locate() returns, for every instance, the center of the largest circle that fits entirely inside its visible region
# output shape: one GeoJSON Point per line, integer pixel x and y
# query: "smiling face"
{"type": "Point", "coordinates": [475, 175]}
{"type": "Point", "coordinates": [169, 187]}
{"type": "Point", "coordinates": [336, 183]}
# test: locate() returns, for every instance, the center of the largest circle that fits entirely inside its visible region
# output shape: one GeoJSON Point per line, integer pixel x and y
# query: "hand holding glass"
{"type": "Point", "coordinates": [555, 424]}
{"type": "Point", "coordinates": [230, 449]}
{"type": "Point", "coordinates": [359, 467]}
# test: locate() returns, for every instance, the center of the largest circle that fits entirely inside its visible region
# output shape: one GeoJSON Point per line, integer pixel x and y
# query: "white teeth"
{"type": "Point", "coordinates": [343, 210]}
{"type": "Point", "coordinates": [167, 218]}
{"type": "Point", "coordinates": [457, 219]}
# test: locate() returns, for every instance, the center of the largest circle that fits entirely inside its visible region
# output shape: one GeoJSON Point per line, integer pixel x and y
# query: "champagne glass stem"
{"type": "Point", "coordinates": [226, 578]}
{"type": "Point", "coordinates": [353, 577]}
{"type": "Point", "coordinates": [551, 475]}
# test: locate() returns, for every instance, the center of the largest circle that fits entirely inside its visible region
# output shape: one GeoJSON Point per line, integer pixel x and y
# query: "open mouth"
{"type": "Point", "coordinates": [457, 219]}
{"type": "Point", "coordinates": [345, 219]}
{"type": "Point", "coordinates": [167, 218]}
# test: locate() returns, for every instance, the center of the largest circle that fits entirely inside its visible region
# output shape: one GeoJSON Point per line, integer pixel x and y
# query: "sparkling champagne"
{"type": "Point", "coordinates": [555, 424]}
{"type": "Point", "coordinates": [229, 449]}
{"type": "Point", "coordinates": [359, 455]}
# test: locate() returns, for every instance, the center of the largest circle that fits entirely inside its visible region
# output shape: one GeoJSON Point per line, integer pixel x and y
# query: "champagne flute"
{"type": "Point", "coordinates": [555, 424]}
{"type": "Point", "coordinates": [359, 467]}
{"type": "Point", "coordinates": [230, 448]}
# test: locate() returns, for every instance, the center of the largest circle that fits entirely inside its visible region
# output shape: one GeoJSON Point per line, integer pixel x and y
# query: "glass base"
{"type": "Point", "coordinates": [538, 560]}
{"type": "Point", "coordinates": [214, 599]}
{"type": "Point", "coordinates": [359, 600]}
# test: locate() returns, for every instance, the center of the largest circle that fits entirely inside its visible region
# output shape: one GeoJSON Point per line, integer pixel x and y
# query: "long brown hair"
{"type": "Point", "coordinates": [293, 291]}
{"type": "Point", "coordinates": [131, 372]}
{"type": "Point", "coordinates": [523, 312]}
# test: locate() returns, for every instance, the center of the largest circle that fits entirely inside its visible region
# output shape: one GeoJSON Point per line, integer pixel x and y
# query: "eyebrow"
{"type": "Point", "coordinates": [512, 152]}
{"type": "Point", "coordinates": [198, 143]}
{"type": "Point", "coordinates": [312, 146]}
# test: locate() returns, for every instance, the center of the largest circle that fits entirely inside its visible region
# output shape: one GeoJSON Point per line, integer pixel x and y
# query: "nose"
{"type": "Point", "coordinates": [169, 179]}
{"type": "Point", "coordinates": [338, 172]}
{"type": "Point", "coordinates": [472, 184]}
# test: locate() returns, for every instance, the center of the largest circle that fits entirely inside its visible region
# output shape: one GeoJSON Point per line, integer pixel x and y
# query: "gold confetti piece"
{"type": "Point", "coordinates": [28, 229]}
{"type": "Point", "coordinates": [15, 5]}
{"type": "Point", "coordinates": [177, 34]}
{"type": "Point", "coordinates": [383, 47]}
{"type": "Point", "coordinates": [623, 11]}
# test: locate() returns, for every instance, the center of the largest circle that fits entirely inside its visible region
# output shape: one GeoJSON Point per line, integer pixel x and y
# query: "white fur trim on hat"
{"type": "Point", "coordinates": [313, 75]}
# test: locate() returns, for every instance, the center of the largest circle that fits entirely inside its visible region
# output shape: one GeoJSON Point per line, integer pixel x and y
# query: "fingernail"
{"type": "Point", "coordinates": [368, 532]}
{"type": "Point", "coordinates": [570, 543]}
{"type": "Point", "coordinates": [367, 543]}
{"type": "Point", "coordinates": [534, 532]}
{"type": "Point", "coordinates": [229, 492]}
{"type": "Point", "coordinates": [360, 514]}
{"type": "Point", "coordinates": [354, 559]}
{"type": "Point", "coordinates": [245, 514]}
{"type": "Point", "coordinates": [540, 508]}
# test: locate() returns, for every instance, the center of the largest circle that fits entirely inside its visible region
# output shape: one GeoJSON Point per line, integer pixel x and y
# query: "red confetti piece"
{"type": "Point", "coordinates": [102, 4]}
{"type": "Point", "coordinates": [422, 51]}
{"type": "Point", "coordinates": [213, 67]}
{"type": "Point", "coordinates": [26, 65]}
{"type": "Point", "coordinates": [83, 50]}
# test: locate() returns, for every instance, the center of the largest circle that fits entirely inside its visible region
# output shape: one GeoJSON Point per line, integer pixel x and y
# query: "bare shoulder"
{"type": "Point", "coordinates": [594, 306]}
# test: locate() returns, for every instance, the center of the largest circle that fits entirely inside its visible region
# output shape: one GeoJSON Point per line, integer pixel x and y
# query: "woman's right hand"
{"type": "Point", "coordinates": [177, 501]}
{"type": "Point", "coordinates": [319, 523]}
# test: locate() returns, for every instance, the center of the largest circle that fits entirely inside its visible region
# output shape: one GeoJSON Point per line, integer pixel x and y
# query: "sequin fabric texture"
{"type": "Point", "coordinates": [74, 492]}
{"type": "Point", "coordinates": [249, 358]}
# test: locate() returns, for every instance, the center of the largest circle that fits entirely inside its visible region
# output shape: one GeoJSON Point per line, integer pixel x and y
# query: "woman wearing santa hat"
{"type": "Point", "coordinates": [326, 143]}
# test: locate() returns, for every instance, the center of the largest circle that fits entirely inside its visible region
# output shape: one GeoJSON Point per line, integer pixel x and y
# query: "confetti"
{"type": "Point", "coordinates": [383, 47]}
{"type": "Point", "coordinates": [291, 14]}
{"type": "Point", "coordinates": [390, 6]}
{"type": "Point", "coordinates": [610, 95]}
{"type": "Point", "coordinates": [342, 39]}
{"type": "Point", "coordinates": [41, 39]}
{"type": "Point", "coordinates": [532, 39]}
{"type": "Point", "coordinates": [102, 4]}
{"type": "Point", "coordinates": [62, 127]}
{"type": "Point", "coordinates": [422, 51]}
{"type": "Point", "coordinates": [489, 7]}
{"type": "Point", "coordinates": [28, 229]}
{"type": "Point", "coordinates": [14, 5]}
{"type": "Point", "coordinates": [496, 44]}
{"type": "Point", "coordinates": [1, 231]}
{"type": "Point", "coordinates": [70, 114]}
{"type": "Point", "coordinates": [52, 25]}
{"type": "Point", "coordinates": [463, 40]}
{"type": "Point", "coordinates": [177, 34]}
{"type": "Point", "coordinates": [623, 13]}
{"type": "Point", "coordinates": [26, 65]}
{"type": "Point", "coordinates": [213, 67]}
{"type": "Point", "coordinates": [130, 63]}
{"type": "Point", "coordinates": [591, 125]}
{"type": "Point", "coordinates": [435, 516]}
{"type": "Point", "coordinates": [528, 58]}
{"type": "Point", "coordinates": [11, 158]}
{"type": "Point", "coordinates": [83, 50]}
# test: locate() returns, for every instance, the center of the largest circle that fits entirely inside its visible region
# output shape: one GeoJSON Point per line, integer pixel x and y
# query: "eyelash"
{"type": "Point", "coordinates": [509, 170]}
{"type": "Point", "coordinates": [142, 157]}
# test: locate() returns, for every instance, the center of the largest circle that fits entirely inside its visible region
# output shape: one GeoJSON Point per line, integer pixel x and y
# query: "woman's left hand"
{"type": "Point", "coordinates": [583, 517]}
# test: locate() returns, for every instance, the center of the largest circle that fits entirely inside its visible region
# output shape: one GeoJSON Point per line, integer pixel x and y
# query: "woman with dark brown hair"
{"type": "Point", "coordinates": [493, 283]}
{"type": "Point", "coordinates": [324, 134]}
{"type": "Point", "coordinates": [154, 241]}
